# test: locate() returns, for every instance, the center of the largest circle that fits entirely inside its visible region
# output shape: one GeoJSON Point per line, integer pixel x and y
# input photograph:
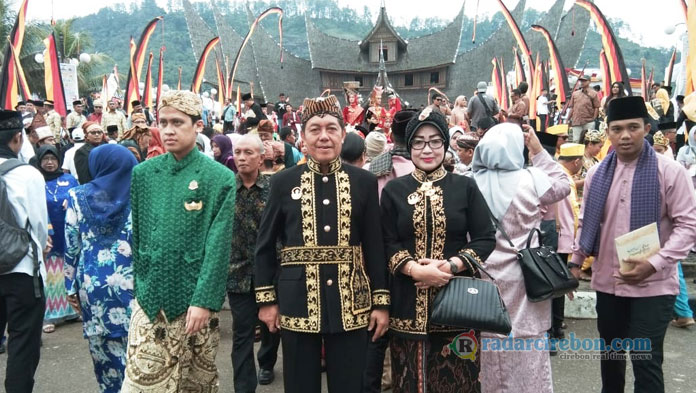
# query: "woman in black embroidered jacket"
{"type": "Point", "coordinates": [433, 222]}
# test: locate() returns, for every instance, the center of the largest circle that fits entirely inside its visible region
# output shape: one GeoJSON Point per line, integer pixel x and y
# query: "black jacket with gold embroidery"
{"type": "Point", "coordinates": [436, 216]}
{"type": "Point", "coordinates": [332, 269]}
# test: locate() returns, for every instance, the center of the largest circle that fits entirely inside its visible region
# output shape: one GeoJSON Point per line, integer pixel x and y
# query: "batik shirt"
{"type": "Point", "coordinates": [248, 210]}
{"type": "Point", "coordinates": [100, 273]}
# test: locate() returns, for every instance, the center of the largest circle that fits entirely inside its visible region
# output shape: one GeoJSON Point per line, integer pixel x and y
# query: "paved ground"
{"type": "Point", "coordinates": [66, 365]}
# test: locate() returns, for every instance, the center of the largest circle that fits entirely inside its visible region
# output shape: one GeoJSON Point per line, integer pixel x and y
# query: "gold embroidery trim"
{"type": "Point", "coordinates": [397, 259]}
{"type": "Point", "coordinates": [317, 255]}
{"type": "Point", "coordinates": [472, 254]}
{"type": "Point", "coordinates": [307, 209]}
{"type": "Point", "coordinates": [315, 167]}
{"type": "Point", "coordinates": [344, 207]}
{"type": "Point", "coordinates": [381, 297]}
{"type": "Point", "coordinates": [437, 174]}
{"type": "Point", "coordinates": [310, 324]}
{"type": "Point", "coordinates": [438, 228]}
{"type": "Point", "coordinates": [266, 294]}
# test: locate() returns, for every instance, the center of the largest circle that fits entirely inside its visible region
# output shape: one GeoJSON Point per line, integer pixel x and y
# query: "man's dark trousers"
{"type": "Point", "coordinates": [24, 319]}
{"type": "Point", "coordinates": [244, 321]}
{"type": "Point", "coordinates": [634, 318]}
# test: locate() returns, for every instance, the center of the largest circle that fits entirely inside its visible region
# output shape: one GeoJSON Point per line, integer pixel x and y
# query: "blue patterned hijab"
{"type": "Point", "coordinates": [106, 199]}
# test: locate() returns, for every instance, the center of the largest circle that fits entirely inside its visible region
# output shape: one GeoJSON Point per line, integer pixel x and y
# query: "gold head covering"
{"type": "Point", "coordinates": [572, 150]}
{"type": "Point", "coordinates": [660, 139]}
{"type": "Point", "coordinates": [689, 107]}
{"type": "Point", "coordinates": [594, 136]}
{"type": "Point", "coordinates": [321, 105]}
{"type": "Point", "coordinates": [183, 101]}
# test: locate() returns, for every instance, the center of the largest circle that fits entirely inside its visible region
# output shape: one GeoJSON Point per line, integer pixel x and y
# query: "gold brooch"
{"type": "Point", "coordinates": [190, 206]}
{"type": "Point", "coordinates": [425, 113]}
{"type": "Point", "coordinates": [414, 198]}
{"type": "Point", "coordinates": [193, 185]}
{"type": "Point", "coordinates": [296, 193]}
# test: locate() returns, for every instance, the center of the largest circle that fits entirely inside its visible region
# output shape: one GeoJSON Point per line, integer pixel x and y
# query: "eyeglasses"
{"type": "Point", "coordinates": [438, 99]}
{"type": "Point", "coordinates": [419, 144]}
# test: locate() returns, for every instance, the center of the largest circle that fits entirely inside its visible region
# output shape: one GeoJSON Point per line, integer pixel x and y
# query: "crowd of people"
{"type": "Point", "coordinates": [330, 230]}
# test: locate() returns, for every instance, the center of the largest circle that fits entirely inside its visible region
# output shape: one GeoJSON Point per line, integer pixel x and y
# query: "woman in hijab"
{"type": "Point", "coordinates": [222, 151]}
{"type": "Point", "coordinates": [687, 155]}
{"type": "Point", "coordinates": [434, 223]}
{"type": "Point", "coordinates": [516, 197]}
{"type": "Point", "coordinates": [57, 185]}
{"type": "Point", "coordinates": [98, 260]}
{"type": "Point", "coordinates": [666, 108]}
{"type": "Point", "coordinates": [156, 147]}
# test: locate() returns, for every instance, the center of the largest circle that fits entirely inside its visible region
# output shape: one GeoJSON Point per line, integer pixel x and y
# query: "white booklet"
{"type": "Point", "coordinates": [639, 244]}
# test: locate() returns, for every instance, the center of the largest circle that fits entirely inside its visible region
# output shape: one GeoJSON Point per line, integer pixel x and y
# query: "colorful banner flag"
{"type": "Point", "coordinates": [132, 83]}
{"type": "Point", "coordinates": [147, 91]}
{"type": "Point", "coordinates": [495, 80]}
{"type": "Point", "coordinates": [617, 67]}
{"type": "Point", "coordinates": [519, 68]}
{"type": "Point", "coordinates": [505, 91]}
{"type": "Point", "coordinates": [53, 80]}
{"type": "Point", "coordinates": [643, 81]}
{"type": "Point", "coordinates": [221, 84]}
{"type": "Point", "coordinates": [670, 68]}
{"type": "Point", "coordinates": [517, 33]}
{"type": "Point", "coordinates": [104, 94]}
{"type": "Point", "coordinates": [200, 68]}
{"type": "Point", "coordinates": [8, 77]}
{"type": "Point", "coordinates": [685, 9]}
{"type": "Point", "coordinates": [556, 63]}
{"type": "Point", "coordinates": [536, 90]}
{"type": "Point", "coordinates": [270, 11]}
{"type": "Point", "coordinates": [160, 75]}
{"type": "Point", "coordinates": [178, 84]}
{"type": "Point", "coordinates": [606, 76]}
{"type": "Point", "coordinates": [20, 74]}
{"type": "Point", "coordinates": [137, 60]}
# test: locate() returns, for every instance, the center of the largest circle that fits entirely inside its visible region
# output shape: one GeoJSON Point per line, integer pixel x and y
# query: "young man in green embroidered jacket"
{"type": "Point", "coordinates": [183, 209]}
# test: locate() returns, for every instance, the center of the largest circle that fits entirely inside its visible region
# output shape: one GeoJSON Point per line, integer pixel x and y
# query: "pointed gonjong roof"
{"type": "Point", "coordinates": [429, 51]}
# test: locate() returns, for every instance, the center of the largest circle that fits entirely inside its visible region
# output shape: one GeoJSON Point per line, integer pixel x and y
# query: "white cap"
{"type": "Point", "coordinates": [44, 132]}
{"type": "Point", "coordinates": [78, 135]}
{"type": "Point", "coordinates": [482, 87]}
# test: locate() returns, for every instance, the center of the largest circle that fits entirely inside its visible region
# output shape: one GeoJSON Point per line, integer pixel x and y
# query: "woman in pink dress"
{"type": "Point", "coordinates": [516, 196]}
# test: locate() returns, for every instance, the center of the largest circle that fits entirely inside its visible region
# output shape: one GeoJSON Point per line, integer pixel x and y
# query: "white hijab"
{"type": "Point", "coordinates": [498, 165]}
{"type": "Point", "coordinates": [687, 153]}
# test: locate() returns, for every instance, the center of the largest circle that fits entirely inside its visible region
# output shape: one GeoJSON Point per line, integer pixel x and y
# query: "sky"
{"type": "Point", "coordinates": [647, 19]}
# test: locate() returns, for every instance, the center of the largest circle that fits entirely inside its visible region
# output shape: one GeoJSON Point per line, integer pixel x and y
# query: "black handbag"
{"type": "Point", "coordinates": [469, 302]}
{"type": "Point", "coordinates": [545, 274]}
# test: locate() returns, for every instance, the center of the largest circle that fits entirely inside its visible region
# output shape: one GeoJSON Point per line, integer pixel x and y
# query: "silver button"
{"type": "Point", "coordinates": [326, 202]}
{"type": "Point", "coordinates": [325, 179]}
{"type": "Point", "coordinates": [327, 228]}
{"type": "Point", "coordinates": [329, 282]}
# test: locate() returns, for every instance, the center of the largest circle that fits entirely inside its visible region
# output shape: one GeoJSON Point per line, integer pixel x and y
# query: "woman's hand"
{"type": "Point", "coordinates": [428, 274]}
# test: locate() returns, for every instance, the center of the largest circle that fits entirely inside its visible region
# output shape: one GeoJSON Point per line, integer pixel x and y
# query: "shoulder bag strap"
{"type": "Point", "coordinates": [499, 227]}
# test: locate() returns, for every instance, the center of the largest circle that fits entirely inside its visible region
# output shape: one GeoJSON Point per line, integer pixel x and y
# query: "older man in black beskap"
{"type": "Point", "coordinates": [332, 274]}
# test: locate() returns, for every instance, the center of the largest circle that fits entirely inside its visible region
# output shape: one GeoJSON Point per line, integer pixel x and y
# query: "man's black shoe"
{"type": "Point", "coordinates": [266, 377]}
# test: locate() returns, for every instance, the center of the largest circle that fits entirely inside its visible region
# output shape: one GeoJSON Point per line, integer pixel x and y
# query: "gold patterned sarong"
{"type": "Point", "coordinates": [162, 358]}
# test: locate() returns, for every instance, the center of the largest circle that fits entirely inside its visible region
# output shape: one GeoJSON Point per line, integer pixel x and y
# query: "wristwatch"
{"type": "Point", "coordinates": [453, 266]}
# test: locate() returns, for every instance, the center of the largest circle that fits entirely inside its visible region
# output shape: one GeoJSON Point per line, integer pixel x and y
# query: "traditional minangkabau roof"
{"type": "Point", "coordinates": [430, 51]}
{"type": "Point", "coordinates": [572, 32]}
{"type": "Point", "coordinates": [294, 77]}
{"type": "Point", "coordinates": [200, 34]}
{"type": "Point", "coordinates": [382, 21]}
